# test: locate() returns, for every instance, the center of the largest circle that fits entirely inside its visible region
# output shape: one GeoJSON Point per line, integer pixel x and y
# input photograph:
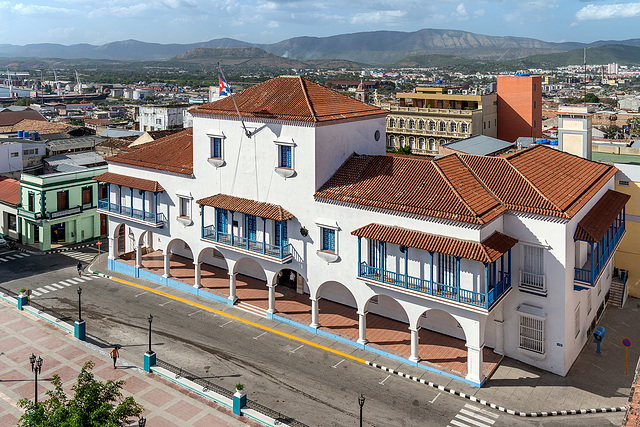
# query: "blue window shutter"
{"type": "Point", "coordinates": [217, 148]}
{"type": "Point", "coordinates": [285, 156]}
{"type": "Point", "coordinates": [252, 227]}
{"type": "Point", "coordinates": [328, 240]}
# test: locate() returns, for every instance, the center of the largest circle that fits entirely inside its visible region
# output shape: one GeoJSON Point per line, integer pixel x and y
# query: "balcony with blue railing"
{"type": "Point", "coordinates": [602, 241]}
{"type": "Point", "coordinates": [281, 252]}
{"type": "Point", "coordinates": [453, 293]}
{"type": "Point", "coordinates": [156, 219]}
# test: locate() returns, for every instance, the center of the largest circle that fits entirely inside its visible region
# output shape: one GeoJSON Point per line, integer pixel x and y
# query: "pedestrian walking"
{"type": "Point", "coordinates": [114, 355]}
{"type": "Point", "coordinates": [79, 269]}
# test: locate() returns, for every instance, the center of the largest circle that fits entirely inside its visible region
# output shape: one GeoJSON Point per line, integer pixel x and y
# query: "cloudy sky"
{"type": "Point", "coordinates": [267, 21]}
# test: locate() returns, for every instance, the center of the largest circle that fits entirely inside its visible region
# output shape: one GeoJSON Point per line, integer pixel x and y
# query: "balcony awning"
{"type": "Point", "coordinates": [129, 181]}
{"type": "Point", "coordinates": [486, 251]}
{"type": "Point", "coordinates": [598, 220]}
{"type": "Point", "coordinates": [246, 206]}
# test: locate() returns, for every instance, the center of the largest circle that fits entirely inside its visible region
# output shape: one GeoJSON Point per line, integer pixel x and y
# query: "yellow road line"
{"type": "Point", "coordinates": [239, 319]}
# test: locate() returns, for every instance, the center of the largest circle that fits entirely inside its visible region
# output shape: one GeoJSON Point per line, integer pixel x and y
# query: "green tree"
{"type": "Point", "coordinates": [94, 404]}
{"type": "Point", "coordinates": [612, 131]}
{"type": "Point", "coordinates": [592, 98]}
{"type": "Point", "coordinates": [24, 102]}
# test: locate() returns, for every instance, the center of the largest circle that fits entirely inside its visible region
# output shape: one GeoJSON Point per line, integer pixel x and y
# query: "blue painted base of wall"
{"type": "Point", "coordinates": [79, 330]}
{"type": "Point", "coordinates": [149, 360]}
{"type": "Point", "coordinates": [144, 274]}
{"type": "Point", "coordinates": [239, 402]}
{"type": "Point", "coordinates": [22, 301]}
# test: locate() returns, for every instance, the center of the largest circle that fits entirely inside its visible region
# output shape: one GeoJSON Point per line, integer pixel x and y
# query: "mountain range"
{"type": "Point", "coordinates": [377, 48]}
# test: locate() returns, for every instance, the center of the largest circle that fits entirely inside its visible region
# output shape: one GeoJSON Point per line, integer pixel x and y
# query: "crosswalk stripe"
{"type": "Point", "coordinates": [3, 260]}
{"type": "Point", "coordinates": [475, 415]}
{"type": "Point", "coordinates": [74, 281]}
{"type": "Point", "coordinates": [81, 279]}
{"type": "Point", "coordinates": [470, 420]}
{"type": "Point", "coordinates": [87, 278]}
{"type": "Point", "coordinates": [23, 255]}
{"type": "Point", "coordinates": [51, 288]}
{"type": "Point", "coordinates": [66, 283]}
{"type": "Point", "coordinates": [42, 291]}
{"type": "Point", "coordinates": [36, 293]}
{"type": "Point", "coordinates": [484, 411]}
{"type": "Point", "coordinates": [57, 286]}
{"type": "Point", "coordinates": [458, 423]}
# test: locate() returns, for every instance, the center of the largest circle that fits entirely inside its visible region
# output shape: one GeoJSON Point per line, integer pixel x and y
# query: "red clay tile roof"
{"type": "Point", "coordinates": [129, 181]}
{"type": "Point", "coordinates": [9, 191]}
{"type": "Point", "coordinates": [596, 222]}
{"type": "Point", "coordinates": [10, 118]}
{"type": "Point", "coordinates": [246, 206]}
{"type": "Point", "coordinates": [468, 188]}
{"type": "Point", "coordinates": [290, 98]}
{"type": "Point", "coordinates": [487, 251]}
{"type": "Point", "coordinates": [173, 153]}
{"type": "Point", "coordinates": [43, 127]}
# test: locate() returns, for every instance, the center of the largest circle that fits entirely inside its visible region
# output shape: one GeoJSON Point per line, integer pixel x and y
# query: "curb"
{"type": "Point", "coordinates": [55, 251]}
{"type": "Point", "coordinates": [494, 406]}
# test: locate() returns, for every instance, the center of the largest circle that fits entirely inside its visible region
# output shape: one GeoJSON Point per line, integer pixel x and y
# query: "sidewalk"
{"type": "Point", "coordinates": [23, 334]}
{"type": "Point", "coordinates": [594, 381]}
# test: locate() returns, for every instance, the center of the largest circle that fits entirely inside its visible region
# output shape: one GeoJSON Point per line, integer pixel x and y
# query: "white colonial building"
{"type": "Point", "coordinates": [511, 253]}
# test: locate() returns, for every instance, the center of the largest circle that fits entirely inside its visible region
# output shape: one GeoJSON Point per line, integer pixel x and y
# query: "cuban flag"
{"type": "Point", "coordinates": [224, 88]}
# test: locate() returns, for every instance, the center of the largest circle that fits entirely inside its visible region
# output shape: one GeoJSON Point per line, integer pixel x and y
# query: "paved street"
{"type": "Point", "coordinates": [313, 385]}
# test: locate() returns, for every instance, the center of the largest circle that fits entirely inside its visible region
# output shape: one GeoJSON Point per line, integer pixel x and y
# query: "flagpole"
{"type": "Point", "coordinates": [246, 131]}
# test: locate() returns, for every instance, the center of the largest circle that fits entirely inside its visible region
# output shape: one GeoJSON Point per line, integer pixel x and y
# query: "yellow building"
{"type": "Point", "coordinates": [434, 115]}
{"type": "Point", "coordinates": [628, 253]}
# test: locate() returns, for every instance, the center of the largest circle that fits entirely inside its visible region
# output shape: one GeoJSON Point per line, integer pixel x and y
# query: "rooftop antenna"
{"type": "Point", "coordinates": [246, 131]}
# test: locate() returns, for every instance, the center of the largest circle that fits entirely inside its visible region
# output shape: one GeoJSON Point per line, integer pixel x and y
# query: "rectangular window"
{"type": "Point", "coordinates": [447, 269]}
{"type": "Point", "coordinates": [184, 207]}
{"type": "Point", "coordinates": [276, 235]}
{"type": "Point", "coordinates": [63, 200]}
{"type": "Point", "coordinates": [285, 160]}
{"type": "Point", "coordinates": [251, 227]}
{"type": "Point", "coordinates": [32, 202]}
{"type": "Point", "coordinates": [15, 154]}
{"type": "Point", "coordinates": [11, 222]}
{"type": "Point", "coordinates": [221, 221]}
{"type": "Point", "coordinates": [87, 195]}
{"type": "Point", "coordinates": [623, 183]}
{"type": "Point", "coordinates": [532, 334]}
{"type": "Point", "coordinates": [377, 250]}
{"type": "Point", "coordinates": [532, 273]}
{"type": "Point", "coordinates": [103, 191]}
{"type": "Point", "coordinates": [328, 239]}
{"type": "Point", "coordinates": [577, 320]}
{"type": "Point", "coordinates": [588, 301]}
{"type": "Point", "coordinates": [216, 147]}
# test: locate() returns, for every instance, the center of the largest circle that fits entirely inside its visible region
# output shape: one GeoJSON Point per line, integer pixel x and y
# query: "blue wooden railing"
{"type": "Point", "coordinates": [152, 217]}
{"type": "Point", "coordinates": [600, 259]}
{"type": "Point", "coordinates": [454, 293]}
{"type": "Point", "coordinates": [281, 252]}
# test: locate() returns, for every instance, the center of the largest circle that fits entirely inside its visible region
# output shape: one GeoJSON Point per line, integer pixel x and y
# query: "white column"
{"type": "Point", "coordinates": [112, 248]}
{"type": "Point", "coordinates": [499, 322]}
{"type": "Point", "coordinates": [474, 363]}
{"type": "Point", "coordinates": [232, 288]}
{"type": "Point", "coordinates": [138, 256]}
{"type": "Point", "coordinates": [167, 264]}
{"type": "Point", "coordinates": [314, 314]}
{"type": "Point", "coordinates": [272, 299]}
{"type": "Point", "coordinates": [415, 352]}
{"type": "Point", "coordinates": [197, 275]}
{"type": "Point", "coordinates": [362, 328]}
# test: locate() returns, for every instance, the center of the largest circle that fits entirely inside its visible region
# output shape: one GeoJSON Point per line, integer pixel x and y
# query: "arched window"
{"type": "Point", "coordinates": [454, 127]}
{"type": "Point", "coordinates": [401, 123]}
{"type": "Point", "coordinates": [442, 142]}
{"type": "Point", "coordinates": [432, 125]}
{"type": "Point", "coordinates": [412, 142]}
{"type": "Point", "coordinates": [421, 143]}
{"type": "Point", "coordinates": [402, 141]}
{"type": "Point", "coordinates": [412, 124]}
{"type": "Point", "coordinates": [432, 144]}
{"type": "Point", "coordinates": [443, 127]}
{"type": "Point", "coordinates": [392, 141]}
{"type": "Point", "coordinates": [421, 125]}
{"type": "Point", "coordinates": [392, 122]}
{"type": "Point", "coordinates": [464, 127]}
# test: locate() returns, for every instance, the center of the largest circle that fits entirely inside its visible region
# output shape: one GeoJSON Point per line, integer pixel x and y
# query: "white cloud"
{"type": "Point", "coordinates": [34, 9]}
{"type": "Point", "coordinates": [379, 17]}
{"type": "Point", "coordinates": [594, 12]}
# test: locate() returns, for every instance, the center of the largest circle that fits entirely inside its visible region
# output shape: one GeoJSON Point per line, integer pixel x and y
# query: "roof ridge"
{"type": "Point", "coordinates": [486, 187]}
{"type": "Point", "coordinates": [446, 180]}
{"type": "Point", "coordinates": [535, 188]}
{"type": "Point", "coordinates": [306, 98]}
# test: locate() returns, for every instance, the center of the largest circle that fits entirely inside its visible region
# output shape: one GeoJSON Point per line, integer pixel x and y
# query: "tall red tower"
{"type": "Point", "coordinates": [519, 107]}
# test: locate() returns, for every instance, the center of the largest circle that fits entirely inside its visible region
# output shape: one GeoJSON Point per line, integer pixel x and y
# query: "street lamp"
{"type": "Point", "coordinates": [142, 421]}
{"type": "Point", "coordinates": [36, 367]}
{"type": "Point", "coordinates": [79, 304]}
{"type": "Point", "coordinates": [150, 318]}
{"type": "Point", "coordinates": [361, 403]}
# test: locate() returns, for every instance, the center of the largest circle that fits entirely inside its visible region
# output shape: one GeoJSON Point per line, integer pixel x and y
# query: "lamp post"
{"type": "Point", "coordinates": [142, 421]}
{"type": "Point", "coordinates": [80, 326]}
{"type": "Point", "coordinates": [361, 403]}
{"type": "Point", "coordinates": [149, 356]}
{"type": "Point", "coordinates": [36, 367]}
{"type": "Point", "coordinates": [150, 318]}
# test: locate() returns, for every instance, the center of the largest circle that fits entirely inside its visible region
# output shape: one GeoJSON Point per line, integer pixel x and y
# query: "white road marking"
{"type": "Point", "coordinates": [434, 399]}
{"type": "Point", "coordinates": [42, 291]}
{"type": "Point", "coordinates": [87, 278]}
{"type": "Point", "coordinates": [484, 411]}
{"type": "Point", "coordinates": [51, 288]}
{"type": "Point", "coordinates": [74, 281]}
{"type": "Point", "coordinates": [336, 365]}
{"type": "Point", "coordinates": [3, 260]}
{"type": "Point", "coordinates": [165, 303]}
{"type": "Point", "coordinates": [475, 415]}
{"type": "Point", "coordinates": [69, 283]}
{"type": "Point", "coordinates": [57, 286]}
{"type": "Point", "coordinates": [255, 338]}
{"type": "Point", "coordinates": [141, 293]}
{"type": "Point", "coordinates": [36, 293]}
{"type": "Point", "coordinates": [382, 382]}
{"type": "Point", "coordinates": [226, 323]}
{"type": "Point", "coordinates": [296, 349]}
{"type": "Point", "coordinates": [470, 421]}
{"type": "Point", "coordinates": [195, 312]}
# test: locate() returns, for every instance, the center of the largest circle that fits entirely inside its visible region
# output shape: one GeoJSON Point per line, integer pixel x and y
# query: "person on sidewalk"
{"type": "Point", "coordinates": [79, 269]}
{"type": "Point", "coordinates": [114, 355]}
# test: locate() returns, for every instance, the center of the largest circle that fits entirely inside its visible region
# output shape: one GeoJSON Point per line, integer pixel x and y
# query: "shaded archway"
{"type": "Point", "coordinates": [338, 310]}
{"type": "Point", "coordinates": [387, 325]}
{"type": "Point", "coordinates": [214, 274]}
{"type": "Point", "coordinates": [250, 282]}
{"type": "Point", "coordinates": [120, 242]}
{"type": "Point", "coordinates": [178, 261]}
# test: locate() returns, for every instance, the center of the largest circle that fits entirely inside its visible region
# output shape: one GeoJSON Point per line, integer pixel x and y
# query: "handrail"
{"type": "Point", "coordinates": [257, 246]}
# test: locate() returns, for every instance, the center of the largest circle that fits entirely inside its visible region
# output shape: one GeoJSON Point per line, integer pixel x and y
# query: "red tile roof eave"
{"type": "Point", "coordinates": [247, 206]}
{"type": "Point", "coordinates": [145, 165]}
{"type": "Point", "coordinates": [292, 119]}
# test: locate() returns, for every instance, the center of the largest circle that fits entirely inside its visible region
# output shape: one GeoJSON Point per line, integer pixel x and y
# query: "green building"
{"type": "Point", "coordinates": [60, 208]}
